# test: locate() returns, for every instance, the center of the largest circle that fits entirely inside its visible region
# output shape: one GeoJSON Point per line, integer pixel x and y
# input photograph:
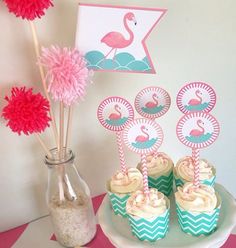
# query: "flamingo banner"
{"type": "Point", "coordinates": [113, 38]}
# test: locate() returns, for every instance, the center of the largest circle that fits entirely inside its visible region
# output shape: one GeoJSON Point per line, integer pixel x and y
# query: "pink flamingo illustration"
{"type": "Point", "coordinates": [116, 40]}
{"type": "Point", "coordinates": [154, 103]}
{"type": "Point", "coordinates": [198, 132]}
{"type": "Point", "coordinates": [116, 116]}
{"type": "Point", "coordinates": [142, 138]}
{"type": "Point", "coordinates": [196, 101]}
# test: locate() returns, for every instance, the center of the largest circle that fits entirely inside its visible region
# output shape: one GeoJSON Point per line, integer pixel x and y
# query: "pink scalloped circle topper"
{"type": "Point", "coordinates": [196, 97]}
{"type": "Point", "coordinates": [143, 136]}
{"type": "Point", "coordinates": [197, 130]}
{"type": "Point", "coordinates": [114, 113]}
{"type": "Point", "coordinates": [152, 102]}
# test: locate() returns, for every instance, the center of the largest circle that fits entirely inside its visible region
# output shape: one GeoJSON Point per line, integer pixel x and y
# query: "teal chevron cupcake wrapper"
{"type": "Point", "coordinates": [118, 203]}
{"type": "Point", "coordinates": [181, 182]}
{"type": "Point", "coordinates": [163, 183]}
{"type": "Point", "coordinates": [150, 229]}
{"type": "Point", "coordinates": [198, 224]}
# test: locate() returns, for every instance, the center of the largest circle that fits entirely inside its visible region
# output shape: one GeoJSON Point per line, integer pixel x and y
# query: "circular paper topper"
{"type": "Point", "coordinates": [152, 102]}
{"type": "Point", "coordinates": [195, 97]}
{"type": "Point", "coordinates": [143, 136]}
{"type": "Point", "coordinates": [114, 113]}
{"type": "Point", "coordinates": [197, 130]}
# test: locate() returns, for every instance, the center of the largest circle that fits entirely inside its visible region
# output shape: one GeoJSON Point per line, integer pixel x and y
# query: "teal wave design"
{"type": "Point", "coordinates": [163, 183]}
{"type": "Point", "coordinates": [198, 223]}
{"type": "Point", "coordinates": [199, 139]}
{"type": "Point", "coordinates": [199, 107]}
{"type": "Point", "coordinates": [118, 122]}
{"type": "Point", "coordinates": [211, 182]}
{"type": "Point", "coordinates": [150, 230]}
{"type": "Point", "coordinates": [121, 62]}
{"type": "Point", "coordinates": [154, 110]}
{"type": "Point", "coordinates": [119, 204]}
{"type": "Point", "coordinates": [145, 145]}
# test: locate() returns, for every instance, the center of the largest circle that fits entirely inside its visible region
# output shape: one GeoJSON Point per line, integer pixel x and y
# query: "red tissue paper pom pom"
{"type": "Point", "coordinates": [26, 112]}
{"type": "Point", "coordinates": [28, 9]}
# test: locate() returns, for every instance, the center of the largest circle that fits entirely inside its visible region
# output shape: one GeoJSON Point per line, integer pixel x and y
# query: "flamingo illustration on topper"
{"type": "Point", "coordinates": [120, 44]}
{"type": "Point", "coordinates": [200, 131]}
{"type": "Point", "coordinates": [196, 101]}
{"type": "Point", "coordinates": [152, 102]}
{"type": "Point", "coordinates": [196, 97]}
{"type": "Point", "coordinates": [117, 115]}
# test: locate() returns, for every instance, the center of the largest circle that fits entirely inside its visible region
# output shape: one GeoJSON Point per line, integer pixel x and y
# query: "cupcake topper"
{"type": "Point", "coordinates": [114, 113]}
{"type": "Point", "coordinates": [143, 136]}
{"type": "Point", "coordinates": [197, 130]}
{"type": "Point", "coordinates": [196, 97]}
{"type": "Point", "coordinates": [152, 102]}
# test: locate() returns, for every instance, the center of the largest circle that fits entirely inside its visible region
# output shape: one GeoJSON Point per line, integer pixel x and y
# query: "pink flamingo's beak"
{"type": "Point", "coordinates": [134, 20]}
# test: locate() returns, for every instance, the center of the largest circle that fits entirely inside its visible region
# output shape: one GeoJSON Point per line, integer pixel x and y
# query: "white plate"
{"type": "Point", "coordinates": [118, 231]}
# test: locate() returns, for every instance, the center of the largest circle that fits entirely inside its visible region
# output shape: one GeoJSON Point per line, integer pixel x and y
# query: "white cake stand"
{"type": "Point", "coordinates": [118, 231]}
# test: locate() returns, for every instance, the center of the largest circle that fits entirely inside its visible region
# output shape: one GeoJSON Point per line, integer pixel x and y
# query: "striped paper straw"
{"type": "Point", "coordinates": [121, 153]}
{"type": "Point", "coordinates": [196, 156]}
{"type": "Point", "coordinates": [145, 175]}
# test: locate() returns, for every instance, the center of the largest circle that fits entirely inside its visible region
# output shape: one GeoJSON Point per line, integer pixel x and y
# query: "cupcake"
{"type": "Point", "coordinates": [184, 171]}
{"type": "Point", "coordinates": [149, 219]}
{"type": "Point", "coordinates": [197, 209]}
{"type": "Point", "coordinates": [120, 187]}
{"type": "Point", "coordinates": [160, 172]}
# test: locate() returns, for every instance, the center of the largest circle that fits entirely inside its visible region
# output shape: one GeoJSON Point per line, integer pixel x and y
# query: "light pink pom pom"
{"type": "Point", "coordinates": [67, 73]}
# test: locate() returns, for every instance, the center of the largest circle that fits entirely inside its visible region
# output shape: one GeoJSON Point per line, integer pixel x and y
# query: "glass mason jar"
{"type": "Point", "coordinates": [69, 201]}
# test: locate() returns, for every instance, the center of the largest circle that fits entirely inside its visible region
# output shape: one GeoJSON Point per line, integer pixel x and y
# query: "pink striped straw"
{"type": "Point", "coordinates": [156, 152]}
{"type": "Point", "coordinates": [196, 157]}
{"type": "Point", "coordinates": [145, 175]}
{"type": "Point", "coordinates": [121, 153]}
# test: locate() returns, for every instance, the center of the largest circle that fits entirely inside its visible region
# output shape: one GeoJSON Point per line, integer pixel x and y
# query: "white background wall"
{"type": "Point", "coordinates": [195, 40]}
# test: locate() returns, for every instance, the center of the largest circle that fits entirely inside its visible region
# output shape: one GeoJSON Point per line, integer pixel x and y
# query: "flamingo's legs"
{"type": "Point", "coordinates": [109, 52]}
{"type": "Point", "coordinates": [114, 54]}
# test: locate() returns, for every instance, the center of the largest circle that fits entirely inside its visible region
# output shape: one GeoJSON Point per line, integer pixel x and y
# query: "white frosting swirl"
{"type": "Point", "coordinates": [158, 165]}
{"type": "Point", "coordinates": [139, 206]}
{"type": "Point", "coordinates": [128, 183]}
{"type": "Point", "coordinates": [194, 199]}
{"type": "Point", "coordinates": [185, 169]}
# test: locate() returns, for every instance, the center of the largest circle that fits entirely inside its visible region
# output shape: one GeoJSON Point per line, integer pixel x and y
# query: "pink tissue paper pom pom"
{"type": "Point", "coordinates": [67, 73]}
{"type": "Point", "coordinates": [28, 9]}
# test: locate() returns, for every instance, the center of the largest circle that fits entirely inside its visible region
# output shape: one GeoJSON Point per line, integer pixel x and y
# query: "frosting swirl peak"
{"type": "Point", "coordinates": [202, 199]}
{"type": "Point", "coordinates": [185, 169]}
{"type": "Point", "coordinates": [158, 165]}
{"type": "Point", "coordinates": [128, 183]}
{"type": "Point", "coordinates": [139, 206]}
